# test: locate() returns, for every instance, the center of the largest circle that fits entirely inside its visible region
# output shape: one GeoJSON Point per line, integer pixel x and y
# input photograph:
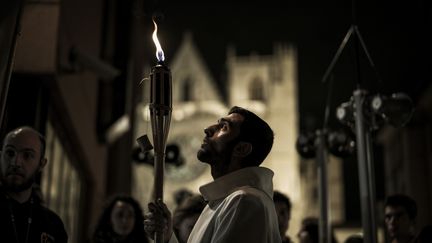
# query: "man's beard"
{"type": "Point", "coordinates": [210, 155]}
{"type": "Point", "coordinates": [204, 155]}
{"type": "Point", "coordinates": [13, 187]}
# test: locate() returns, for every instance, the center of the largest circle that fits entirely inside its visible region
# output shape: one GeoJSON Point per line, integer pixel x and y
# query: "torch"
{"type": "Point", "coordinates": [160, 118]}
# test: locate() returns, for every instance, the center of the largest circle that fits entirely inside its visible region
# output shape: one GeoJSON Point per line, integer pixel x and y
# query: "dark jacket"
{"type": "Point", "coordinates": [45, 227]}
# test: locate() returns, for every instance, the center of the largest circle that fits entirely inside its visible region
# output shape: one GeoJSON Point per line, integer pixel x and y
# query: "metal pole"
{"type": "Point", "coordinates": [159, 126]}
{"type": "Point", "coordinates": [322, 155]}
{"type": "Point", "coordinates": [366, 195]}
{"type": "Point", "coordinates": [338, 53]}
{"type": "Point", "coordinates": [371, 179]}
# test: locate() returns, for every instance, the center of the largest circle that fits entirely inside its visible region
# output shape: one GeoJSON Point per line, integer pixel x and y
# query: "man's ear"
{"type": "Point", "coordinates": [42, 164]}
{"type": "Point", "coordinates": [242, 149]}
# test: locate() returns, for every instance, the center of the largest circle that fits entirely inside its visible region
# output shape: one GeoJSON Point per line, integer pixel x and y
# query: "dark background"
{"type": "Point", "coordinates": [397, 36]}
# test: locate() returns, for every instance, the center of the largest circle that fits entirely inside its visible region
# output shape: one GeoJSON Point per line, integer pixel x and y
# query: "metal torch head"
{"type": "Point", "coordinates": [160, 105]}
{"type": "Point", "coordinates": [161, 90]}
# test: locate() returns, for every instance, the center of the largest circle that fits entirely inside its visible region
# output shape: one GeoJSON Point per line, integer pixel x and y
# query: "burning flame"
{"type": "Point", "coordinates": [159, 52]}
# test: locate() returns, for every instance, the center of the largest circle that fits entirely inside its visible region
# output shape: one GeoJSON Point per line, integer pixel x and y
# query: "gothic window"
{"type": "Point", "coordinates": [186, 90]}
{"type": "Point", "coordinates": [256, 90]}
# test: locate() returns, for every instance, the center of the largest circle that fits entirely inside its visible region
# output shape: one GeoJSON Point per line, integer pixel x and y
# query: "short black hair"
{"type": "Point", "coordinates": [280, 197]}
{"type": "Point", "coordinates": [401, 200]}
{"type": "Point", "coordinates": [357, 238]}
{"type": "Point", "coordinates": [311, 226]}
{"type": "Point", "coordinates": [256, 131]}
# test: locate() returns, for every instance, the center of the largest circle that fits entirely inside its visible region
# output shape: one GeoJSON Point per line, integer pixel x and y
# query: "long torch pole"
{"type": "Point", "coordinates": [160, 117]}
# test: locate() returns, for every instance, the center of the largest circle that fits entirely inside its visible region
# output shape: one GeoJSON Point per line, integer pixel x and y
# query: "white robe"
{"type": "Point", "coordinates": [240, 209]}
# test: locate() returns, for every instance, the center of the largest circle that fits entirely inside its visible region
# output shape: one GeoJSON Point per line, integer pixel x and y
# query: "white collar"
{"type": "Point", "coordinates": [257, 177]}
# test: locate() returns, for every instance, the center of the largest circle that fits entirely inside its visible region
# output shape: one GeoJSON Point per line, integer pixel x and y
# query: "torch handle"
{"type": "Point", "coordinates": [160, 131]}
{"type": "Point", "coordinates": [159, 176]}
{"type": "Point", "coordinates": [158, 188]}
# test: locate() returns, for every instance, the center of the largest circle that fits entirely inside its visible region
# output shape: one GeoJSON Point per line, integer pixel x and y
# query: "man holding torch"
{"type": "Point", "coordinates": [240, 206]}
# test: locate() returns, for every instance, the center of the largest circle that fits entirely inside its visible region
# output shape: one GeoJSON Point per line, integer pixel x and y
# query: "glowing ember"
{"type": "Point", "coordinates": [159, 52]}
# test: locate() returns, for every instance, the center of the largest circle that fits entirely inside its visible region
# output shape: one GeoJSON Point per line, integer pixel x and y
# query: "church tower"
{"type": "Point", "coordinates": [267, 85]}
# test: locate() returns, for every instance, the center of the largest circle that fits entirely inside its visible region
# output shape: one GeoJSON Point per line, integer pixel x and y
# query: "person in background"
{"type": "Point", "coordinates": [309, 231]}
{"type": "Point", "coordinates": [283, 211]}
{"type": "Point", "coordinates": [400, 212]}
{"type": "Point", "coordinates": [356, 238]}
{"type": "Point", "coordinates": [181, 195]}
{"type": "Point", "coordinates": [23, 218]}
{"type": "Point", "coordinates": [186, 215]}
{"type": "Point", "coordinates": [121, 222]}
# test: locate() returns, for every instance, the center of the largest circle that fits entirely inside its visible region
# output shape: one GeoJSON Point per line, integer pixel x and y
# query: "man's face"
{"type": "Point", "coordinates": [397, 221]}
{"type": "Point", "coordinates": [284, 216]}
{"type": "Point", "coordinates": [20, 160]}
{"type": "Point", "coordinates": [220, 139]}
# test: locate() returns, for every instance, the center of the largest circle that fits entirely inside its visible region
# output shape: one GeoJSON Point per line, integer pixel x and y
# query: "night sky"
{"type": "Point", "coordinates": [397, 35]}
